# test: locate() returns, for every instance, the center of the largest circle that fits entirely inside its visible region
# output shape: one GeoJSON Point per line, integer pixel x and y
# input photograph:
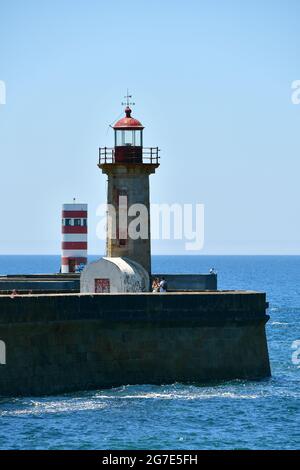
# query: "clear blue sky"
{"type": "Point", "coordinates": [212, 84]}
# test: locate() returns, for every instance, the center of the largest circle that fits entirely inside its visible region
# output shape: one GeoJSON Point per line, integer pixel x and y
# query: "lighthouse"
{"type": "Point", "coordinates": [128, 166]}
{"type": "Point", "coordinates": [74, 237]}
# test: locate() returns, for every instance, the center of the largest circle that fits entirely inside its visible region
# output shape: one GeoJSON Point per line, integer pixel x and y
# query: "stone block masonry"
{"type": "Point", "coordinates": [61, 343]}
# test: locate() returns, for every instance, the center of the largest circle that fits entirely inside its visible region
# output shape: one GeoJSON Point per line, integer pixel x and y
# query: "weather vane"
{"type": "Point", "coordinates": [128, 97]}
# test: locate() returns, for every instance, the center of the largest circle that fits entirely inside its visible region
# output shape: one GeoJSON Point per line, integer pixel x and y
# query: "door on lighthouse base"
{"type": "Point", "coordinates": [72, 265]}
{"type": "Point", "coordinates": [102, 286]}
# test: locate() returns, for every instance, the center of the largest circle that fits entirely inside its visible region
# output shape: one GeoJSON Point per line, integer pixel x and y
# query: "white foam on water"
{"type": "Point", "coordinates": [66, 406]}
{"type": "Point", "coordinates": [100, 401]}
{"type": "Point", "coordinates": [198, 395]}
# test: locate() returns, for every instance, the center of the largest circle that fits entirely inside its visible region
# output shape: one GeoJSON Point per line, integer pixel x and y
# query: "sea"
{"type": "Point", "coordinates": [234, 414]}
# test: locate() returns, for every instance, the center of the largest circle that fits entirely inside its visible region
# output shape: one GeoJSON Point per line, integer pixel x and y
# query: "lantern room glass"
{"type": "Point", "coordinates": [131, 138]}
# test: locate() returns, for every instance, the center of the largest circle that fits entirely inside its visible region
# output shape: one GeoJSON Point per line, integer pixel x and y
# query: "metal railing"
{"type": "Point", "coordinates": [149, 155]}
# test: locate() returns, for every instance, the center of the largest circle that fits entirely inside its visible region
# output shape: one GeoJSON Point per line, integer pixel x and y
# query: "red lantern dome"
{"type": "Point", "coordinates": [128, 122]}
{"type": "Point", "coordinates": [128, 148]}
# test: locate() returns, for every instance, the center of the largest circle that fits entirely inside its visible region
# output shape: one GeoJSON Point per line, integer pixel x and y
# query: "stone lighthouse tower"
{"type": "Point", "coordinates": [128, 166]}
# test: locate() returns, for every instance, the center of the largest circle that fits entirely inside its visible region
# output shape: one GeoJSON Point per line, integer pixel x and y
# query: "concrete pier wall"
{"type": "Point", "coordinates": [56, 283]}
{"type": "Point", "coordinates": [193, 282]}
{"type": "Point", "coordinates": [61, 343]}
{"type": "Point", "coordinates": [40, 283]}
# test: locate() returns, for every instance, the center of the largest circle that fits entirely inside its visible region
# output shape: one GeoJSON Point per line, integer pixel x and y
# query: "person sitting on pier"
{"type": "Point", "coordinates": [163, 285]}
{"type": "Point", "coordinates": [155, 285]}
{"type": "Point", "coordinates": [13, 294]}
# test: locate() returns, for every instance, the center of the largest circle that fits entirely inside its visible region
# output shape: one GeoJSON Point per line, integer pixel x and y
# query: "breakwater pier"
{"type": "Point", "coordinates": [66, 342]}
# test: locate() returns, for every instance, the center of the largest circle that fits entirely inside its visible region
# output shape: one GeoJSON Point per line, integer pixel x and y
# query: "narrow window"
{"type": "Point", "coordinates": [122, 219]}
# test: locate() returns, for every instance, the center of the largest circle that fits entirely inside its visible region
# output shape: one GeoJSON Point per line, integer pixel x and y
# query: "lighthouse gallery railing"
{"type": "Point", "coordinates": [150, 155]}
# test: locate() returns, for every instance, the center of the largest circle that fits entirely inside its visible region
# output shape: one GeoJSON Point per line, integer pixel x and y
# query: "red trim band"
{"type": "Point", "coordinates": [73, 229]}
{"type": "Point", "coordinates": [74, 245]}
{"type": "Point", "coordinates": [65, 261]}
{"type": "Point", "coordinates": [74, 214]}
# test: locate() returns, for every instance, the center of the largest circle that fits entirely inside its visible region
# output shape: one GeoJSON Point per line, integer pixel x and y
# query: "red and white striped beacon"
{"type": "Point", "coordinates": [74, 237]}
